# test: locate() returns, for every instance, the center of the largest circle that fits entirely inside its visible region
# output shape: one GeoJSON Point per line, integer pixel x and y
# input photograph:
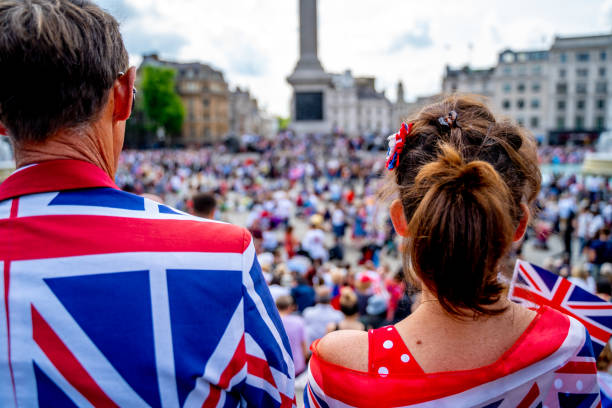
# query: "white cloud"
{"type": "Point", "coordinates": [255, 42]}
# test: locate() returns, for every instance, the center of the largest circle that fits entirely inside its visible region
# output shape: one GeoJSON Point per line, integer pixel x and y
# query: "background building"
{"type": "Point", "coordinates": [561, 94]}
{"type": "Point", "coordinates": [204, 94]}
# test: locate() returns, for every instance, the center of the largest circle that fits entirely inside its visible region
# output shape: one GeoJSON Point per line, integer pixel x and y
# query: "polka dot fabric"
{"type": "Point", "coordinates": [389, 354]}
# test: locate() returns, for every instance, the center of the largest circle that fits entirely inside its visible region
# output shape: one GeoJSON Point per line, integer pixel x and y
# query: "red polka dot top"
{"type": "Point", "coordinates": [388, 353]}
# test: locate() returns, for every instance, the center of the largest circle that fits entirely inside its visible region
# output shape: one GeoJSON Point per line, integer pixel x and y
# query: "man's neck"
{"type": "Point", "coordinates": [78, 144]}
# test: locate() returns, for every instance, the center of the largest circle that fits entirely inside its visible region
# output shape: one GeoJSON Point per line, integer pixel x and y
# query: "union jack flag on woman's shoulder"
{"type": "Point", "coordinates": [534, 286]}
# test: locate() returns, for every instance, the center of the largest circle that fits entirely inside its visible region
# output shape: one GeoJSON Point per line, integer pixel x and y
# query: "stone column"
{"type": "Point", "coordinates": [308, 35]}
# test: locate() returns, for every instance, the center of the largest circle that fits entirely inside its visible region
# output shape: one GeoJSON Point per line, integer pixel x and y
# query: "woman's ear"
{"type": "Point", "coordinates": [396, 211]}
{"type": "Point", "coordinates": [522, 227]}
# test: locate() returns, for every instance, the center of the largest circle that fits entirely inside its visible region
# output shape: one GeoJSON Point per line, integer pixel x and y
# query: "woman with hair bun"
{"type": "Point", "coordinates": [463, 183]}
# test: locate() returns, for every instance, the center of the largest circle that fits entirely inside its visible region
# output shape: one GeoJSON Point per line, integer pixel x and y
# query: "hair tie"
{"type": "Point", "coordinates": [396, 145]}
{"type": "Point", "coordinates": [448, 120]}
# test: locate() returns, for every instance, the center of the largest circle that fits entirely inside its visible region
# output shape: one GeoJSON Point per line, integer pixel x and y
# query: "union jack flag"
{"type": "Point", "coordinates": [534, 286]}
{"type": "Point", "coordinates": [112, 300]}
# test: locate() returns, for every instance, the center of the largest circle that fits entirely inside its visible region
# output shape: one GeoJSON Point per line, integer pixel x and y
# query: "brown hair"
{"type": "Point", "coordinates": [461, 186]}
{"type": "Point", "coordinates": [58, 61]}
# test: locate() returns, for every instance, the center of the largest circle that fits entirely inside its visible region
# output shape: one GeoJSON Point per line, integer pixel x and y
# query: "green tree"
{"type": "Point", "coordinates": [161, 104]}
{"type": "Point", "coordinates": [283, 123]}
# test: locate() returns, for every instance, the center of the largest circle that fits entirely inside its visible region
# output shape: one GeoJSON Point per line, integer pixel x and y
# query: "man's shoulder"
{"type": "Point", "coordinates": [108, 212]}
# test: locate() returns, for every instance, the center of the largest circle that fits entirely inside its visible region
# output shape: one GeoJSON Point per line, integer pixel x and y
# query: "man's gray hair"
{"type": "Point", "coordinates": [58, 61]}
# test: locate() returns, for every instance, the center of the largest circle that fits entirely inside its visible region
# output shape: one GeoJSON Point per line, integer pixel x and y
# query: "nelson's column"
{"type": "Point", "coordinates": [309, 81]}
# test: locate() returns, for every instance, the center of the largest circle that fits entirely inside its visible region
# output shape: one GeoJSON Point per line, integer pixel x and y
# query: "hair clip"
{"type": "Point", "coordinates": [448, 120]}
{"type": "Point", "coordinates": [396, 145]}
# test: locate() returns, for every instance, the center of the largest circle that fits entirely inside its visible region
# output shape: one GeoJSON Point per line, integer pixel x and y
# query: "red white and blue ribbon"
{"type": "Point", "coordinates": [396, 145]}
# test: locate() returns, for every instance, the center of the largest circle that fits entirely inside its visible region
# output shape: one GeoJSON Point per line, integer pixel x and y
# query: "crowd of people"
{"type": "Point", "coordinates": [311, 205]}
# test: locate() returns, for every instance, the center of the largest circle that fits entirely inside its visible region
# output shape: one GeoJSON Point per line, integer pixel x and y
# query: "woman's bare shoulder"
{"type": "Point", "coordinates": [346, 348]}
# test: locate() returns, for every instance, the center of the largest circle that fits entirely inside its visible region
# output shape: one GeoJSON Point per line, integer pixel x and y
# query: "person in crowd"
{"type": "Point", "coordinates": [464, 182]}
{"type": "Point", "coordinates": [204, 205]}
{"type": "Point", "coordinates": [276, 289]}
{"type": "Point", "coordinates": [108, 295]}
{"type": "Point", "coordinates": [336, 253]}
{"type": "Point", "coordinates": [600, 249]}
{"type": "Point", "coordinates": [349, 308]}
{"type": "Point", "coordinates": [296, 332]}
{"type": "Point", "coordinates": [376, 312]}
{"type": "Point", "coordinates": [314, 239]}
{"type": "Point", "coordinates": [320, 315]}
{"type": "Point", "coordinates": [580, 276]}
{"type": "Point", "coordinates": [290, 243]}
{"type": "Point", "coordinates": [303, 294]}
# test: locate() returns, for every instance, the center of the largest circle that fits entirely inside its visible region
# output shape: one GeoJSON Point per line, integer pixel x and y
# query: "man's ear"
{"type": "Point", "coordinates": [396, 211]}
{"type": "Point", "coordinates": [522, 227]}
{"type": "Point", "coordinates": [123, 95]}
{"type": "Point", "coordinates": [3, 130]}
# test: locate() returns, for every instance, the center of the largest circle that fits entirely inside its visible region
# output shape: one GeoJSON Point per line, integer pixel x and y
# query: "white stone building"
{"type": "Point", "coordinates": [560, 95]}
{"type": "Point", "coordinates": [580, 86]}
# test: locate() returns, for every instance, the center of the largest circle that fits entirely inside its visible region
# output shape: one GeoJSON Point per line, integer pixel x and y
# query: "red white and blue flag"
{"type": "Point", "coordinates": [533, 286]}
{"type": "Point", "coordinates": [113, 300]}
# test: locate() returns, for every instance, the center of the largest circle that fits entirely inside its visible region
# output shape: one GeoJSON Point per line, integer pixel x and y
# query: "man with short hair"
{"type": "Point", "coordinates": [317, 317]}
{"type": "Point", "coordinates": [204, 205]}
{"type": "Point", "coordinates": [110, 299]}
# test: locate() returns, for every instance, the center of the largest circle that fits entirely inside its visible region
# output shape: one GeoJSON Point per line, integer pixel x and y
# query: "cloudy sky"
{"type": "Point", "coordinates": [255, 42]}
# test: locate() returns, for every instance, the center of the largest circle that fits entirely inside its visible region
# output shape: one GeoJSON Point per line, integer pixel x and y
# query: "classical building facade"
{"type": "Point", "coordinates": [560, 94]}
{"type": "Point", "coordinates": [206, 97]}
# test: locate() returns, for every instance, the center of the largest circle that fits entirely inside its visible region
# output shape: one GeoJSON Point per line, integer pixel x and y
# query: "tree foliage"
{"type": "Point", "coordinates": [161, 104]}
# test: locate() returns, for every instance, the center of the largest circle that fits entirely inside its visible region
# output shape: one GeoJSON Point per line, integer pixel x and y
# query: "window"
{"type": "Point", "coordinates": [520, 87]}
{"type": "Point", "coordinates": [561, 105]}
{"type": "Point", "coordinates": [601, 104]}
{"type": "Point", "coordinates": [562, 73]}
{"type": "Point", "coordinates": [537, 70]}
{"type": "Point", "coordinates": [579, 122]}
{"type": "Point", "coordinates": [506, 103]}
{"type": "Point", "coordinates": [561, 88]}
{"type": "Point", "coordinates": [535, 87]}
{"type": "Point", "coordinates": [535, 103]}
{"type": "Point", "coordinates": [521, 121]}
{"type": "Point", "coordinates": [600, 122]}
{"type": "Point", "coordinates": [602, 71]}
{"type": "Point", "coordinates": [582, 72]}
{"type": "Point", "coordinates": [522, 70]}
{"type": "Point", "coordinates": [582, 57]}
{"type": "Point", "coordinates": [581, 88]}
{"type": "Point", "coordinates": [560, 122]}
{"type": "Point", "coordinates": [602, 56]}
{"type": "Point", "coordinates": [507, 70]}
{"type": "Point", "coordinates": [601, 87]}
{"type": "Point", "coordinates": [507, 87]}
{"type": "Point", "coordinates": [534, 122]}
{"type": "Point", "coordinates": [580, 104]}
{"type": "Point", "coordinates": [563, 57]}
{"type": "Point", "coordinates": [520, 104]}
{"type": "Point", "coordinates": [205, 102]}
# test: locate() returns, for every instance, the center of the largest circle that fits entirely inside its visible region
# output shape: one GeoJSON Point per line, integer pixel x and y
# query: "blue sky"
{"type": "Point", "coordinates": [255, 42]}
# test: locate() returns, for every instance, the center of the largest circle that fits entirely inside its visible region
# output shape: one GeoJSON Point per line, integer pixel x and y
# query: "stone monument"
{"type": "Point", "coordinates": [311, 84]}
